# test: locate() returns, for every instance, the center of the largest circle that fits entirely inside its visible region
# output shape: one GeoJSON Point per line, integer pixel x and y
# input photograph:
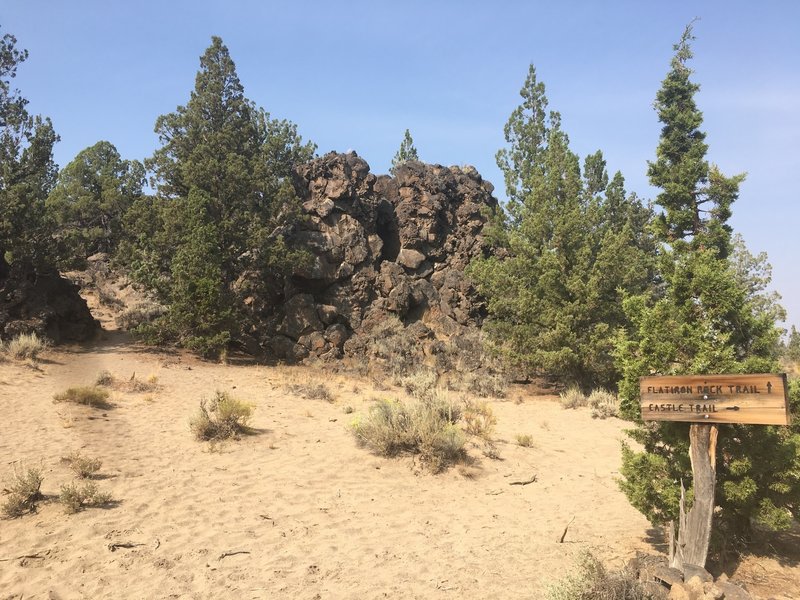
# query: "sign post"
{"type": "Point", "coordinates": [706, 401]}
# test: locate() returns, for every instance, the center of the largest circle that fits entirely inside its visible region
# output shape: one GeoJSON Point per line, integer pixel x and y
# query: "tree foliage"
{"type": "Point", "coordinates": [224, 200]}
{"type": "Point", "coordinates": [405, 153]}
{"type": "Point", "coordinates": [27, 170]}
{"type": "Point", "coordinates": [90, 199]}
{"type": "Point", "coordinates": [709, 314]}
{"type": "Point", "coordinates": [571, 242]}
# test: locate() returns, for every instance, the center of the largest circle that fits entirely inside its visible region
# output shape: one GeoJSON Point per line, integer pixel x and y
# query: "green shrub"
{"type": "Point", "coordinates": [573, 397]}
{"type": "Point", "coordinates": [591, 581]}
{"type": "Point", "coordinates": [25, 346]}
{"type": "Point", "coordinates": [23, 492]}
{"type": "Point", "coordinates": [427, 428]}
{"type": "Point", "coordinates": [77, 497]}
{"type": "Point", "coordinates": [88, 396]}
{"type": "Point", "coordinates": [221, 418]}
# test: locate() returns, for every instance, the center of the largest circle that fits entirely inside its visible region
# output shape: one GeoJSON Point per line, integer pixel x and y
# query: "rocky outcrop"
{"type": "Point", "coordinates": [381, 246]}
{"type": "Point", "coordinates": [44, 303]}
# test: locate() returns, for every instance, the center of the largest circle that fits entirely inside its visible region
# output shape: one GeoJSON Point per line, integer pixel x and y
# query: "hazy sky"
{"type": "Point", "coordinates": [354, 75]}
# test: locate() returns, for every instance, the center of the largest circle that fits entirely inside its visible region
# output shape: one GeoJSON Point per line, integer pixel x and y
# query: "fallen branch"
{"type": "Point", "coordinates": [117, 545]}
{"type": "Point", "coordinates": [563, 535]}
{"type": "Point", "coordinates": [21, 557]}
{"type": "Point", "coordinates": [526, 482]}
{"type": "Point", "coordinates": [233, 553]}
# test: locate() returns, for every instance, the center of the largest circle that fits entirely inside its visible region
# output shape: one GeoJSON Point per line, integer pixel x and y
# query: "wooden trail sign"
{"type": "Point", "coordinates": [749, 399]}
{"type": "Point", "coordinates": [705, 401]}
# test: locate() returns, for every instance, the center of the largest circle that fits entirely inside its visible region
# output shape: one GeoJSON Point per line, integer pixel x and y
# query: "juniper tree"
{"type": "Point", "coordinates": [222, 149]}
{"type": "Point", "coordinates": [708, 315]}
{"type": "Point", "coordinates": [405, 153]}
{"type": "Point", "coordinates": [90, 198]}
{"type": "Point", "coordinates": [572, 240]}
{"type": "Point", "coordinates": [27, 171]}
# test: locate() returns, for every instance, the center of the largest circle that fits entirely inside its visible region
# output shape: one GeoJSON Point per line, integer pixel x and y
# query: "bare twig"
{"type": "Point", "coordinates": [233, 553]}
{"type": "Point", "coordinates": [563, 535]}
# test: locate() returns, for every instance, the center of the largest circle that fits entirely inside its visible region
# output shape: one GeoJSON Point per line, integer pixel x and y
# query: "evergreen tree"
{"type": "Point", "coordinates": [405, 153]}
{"type": "Point", "coordinates": [792, 351]}
{"type": "Point", "coordinates": [27, 171]}
{"type": "Point", "coordinates": [572, 240]}
{"type": "Point", "coordinates": [89, 201]}
{"type": "Point", "coordinates": [708, 315]}
{"type": "Point", "coordinates": [223, 176]}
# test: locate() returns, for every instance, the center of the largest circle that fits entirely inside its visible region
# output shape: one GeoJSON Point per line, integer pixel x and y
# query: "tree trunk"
{"type": "Point", "coordinates": [694, 527]}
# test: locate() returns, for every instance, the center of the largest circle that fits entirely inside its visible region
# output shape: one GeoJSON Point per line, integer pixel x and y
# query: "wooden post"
{"type": "Point", "coordinates": [694, 527]}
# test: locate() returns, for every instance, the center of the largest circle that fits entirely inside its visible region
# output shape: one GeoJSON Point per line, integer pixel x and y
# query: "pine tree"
{"type": "Point", "coordinates": [405, 153]}
{"type": "Point", "coordinates": [571, 241]}
{"type": "Point", "coordinates": [222, 149]}
{"type": "Point", "coordinates": [792, 351]}
{"type": "Point", "coordinates": [27, 172]}
{"type": "Point", "coordinates": [708, 315]}
{"type": "Point", "coordinates": [90, 198]}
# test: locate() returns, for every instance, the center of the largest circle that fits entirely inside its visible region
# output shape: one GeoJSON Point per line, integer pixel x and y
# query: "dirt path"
{"type": "Point", "coordinates": [297, 510]}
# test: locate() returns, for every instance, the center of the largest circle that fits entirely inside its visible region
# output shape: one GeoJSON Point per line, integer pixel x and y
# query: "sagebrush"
{"type": "Point", "coordinates": [221, 418]}
{"type": "Point", "coordinates": [590, 580]}
{"type": "Point", "coordinates": [76, 497]}
{"type": "Point", "coordinates": [23, 491]}
{"type": "Point", "coordinates": [427, 428]}
{"type": "Point", "coordinates": [479, 419]}
{"type": "Point", "coordinates": [83, 466]}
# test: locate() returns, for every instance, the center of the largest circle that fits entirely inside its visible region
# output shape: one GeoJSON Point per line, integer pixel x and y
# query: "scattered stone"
{"type": "Point", "coordinates": [732, 591]}
{"type": "Point", "coordinates": [690, 571]}
{"type": "Point", "coordinates": [668, 575]}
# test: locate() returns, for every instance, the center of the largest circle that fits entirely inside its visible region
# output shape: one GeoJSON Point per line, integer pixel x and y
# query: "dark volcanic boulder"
{"type": "Point", "coordinates": [381, 247]}
{"type": "Point", "coordinates": [43, 303]}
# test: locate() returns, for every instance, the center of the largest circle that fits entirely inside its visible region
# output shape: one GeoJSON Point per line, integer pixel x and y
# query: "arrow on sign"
{"type": "Point", "coordinates": [769, 387]}
{"type": "Point", "coordinates": [732, 408]}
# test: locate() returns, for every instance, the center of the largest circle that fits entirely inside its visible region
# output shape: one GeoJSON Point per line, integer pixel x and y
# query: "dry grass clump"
{"type": "Point", "coordinates": [23, 492]}
{"type": "Point", "coordinates": [25, 346]}
{"type": "Point", "coordinates": [88, 396]}
{"type": "Point", "coordinates": [83, 466]}
{"type": "Point", "coordinates": [312, 391]}
{"type": "Point", "coordinates": [108, 379]}
{"type": "Point", "coordinates": [524, 439]}
{"type": "Point", "coordinates": [573, 397]}
{"type": "Point", "coordinates": [76, 497]}
{"type": "Point", "coordinates": [603, 404]}
{"type": "Point", "coordinates": [221, 418]}
{"type": "Point", "coordinates": [427, 428]}
{"type": "Point", "coordinates": [479, 420]}
{"type": "Point", "coordinates": [591, 581]}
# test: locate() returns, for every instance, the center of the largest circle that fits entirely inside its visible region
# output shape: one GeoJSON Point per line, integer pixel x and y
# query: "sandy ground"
{"type": "Point", "coordinates": [298, 510]}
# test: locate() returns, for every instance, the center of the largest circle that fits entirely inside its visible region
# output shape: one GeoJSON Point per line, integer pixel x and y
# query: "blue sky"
{"type": "Point", "coordinates": [354, 75]}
